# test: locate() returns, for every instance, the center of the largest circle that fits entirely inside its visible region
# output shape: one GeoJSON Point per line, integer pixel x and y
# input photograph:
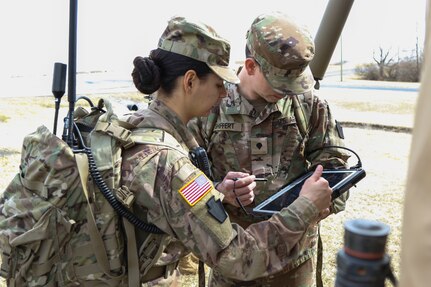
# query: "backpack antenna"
{"type": "Point", "coordinates": [69, 127]}
{"type": "Point", "coordinates": [71, 87]}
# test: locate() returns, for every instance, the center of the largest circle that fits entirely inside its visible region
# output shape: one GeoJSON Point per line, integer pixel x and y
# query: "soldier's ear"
{"type": "Point", "coordinates": [250, 65]}
{"type": "Point", "coordinates": [188, 81]}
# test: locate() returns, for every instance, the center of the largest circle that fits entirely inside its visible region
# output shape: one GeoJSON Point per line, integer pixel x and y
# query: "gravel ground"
{"type": "Point", "coordinates": [379, 196]}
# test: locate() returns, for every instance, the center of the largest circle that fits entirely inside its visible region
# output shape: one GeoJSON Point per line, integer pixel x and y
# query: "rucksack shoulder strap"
{"type": "Point", "coordinates": [156, 137]}
{"type": "Point", "coordinates": [115, 130]}
{"type": "Point", "coordinates": [96, 238]}
{"type": "Point", "coordinates": [302, 107]}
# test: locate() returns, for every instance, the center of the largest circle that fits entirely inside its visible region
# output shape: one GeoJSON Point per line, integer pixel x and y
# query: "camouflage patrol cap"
{"type": "Point", "coordinates": [200, 42]}
{"type": "Point", "coordinates": [283, 50]}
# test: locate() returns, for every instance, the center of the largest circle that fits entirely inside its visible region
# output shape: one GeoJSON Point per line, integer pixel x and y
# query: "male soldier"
{"type": "Point", "coordinates": [273, 126]}
{"type": "Point", "coordinates": [415, 248]}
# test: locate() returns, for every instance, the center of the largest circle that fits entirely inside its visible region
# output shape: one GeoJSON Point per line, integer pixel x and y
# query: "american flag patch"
{"type": "Point", "coordinates": [196, 189]}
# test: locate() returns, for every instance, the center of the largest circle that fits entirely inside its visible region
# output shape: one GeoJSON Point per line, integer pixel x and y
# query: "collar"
{"type": "Point", "coordinates": [160, 116]}
{"type": "Point", "coordinates": [237, 104]}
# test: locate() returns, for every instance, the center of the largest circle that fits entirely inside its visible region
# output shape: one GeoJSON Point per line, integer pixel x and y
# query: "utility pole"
{"type": "Point", "coordinates": [341, 58]}
{"type": "Point", "coordinates": [417, 51]}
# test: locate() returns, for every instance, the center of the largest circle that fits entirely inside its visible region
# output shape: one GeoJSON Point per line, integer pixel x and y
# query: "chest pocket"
{"type": "Point", "coordinates": [229, 148]}
{"type": "Point", "coordinates": [261, 156]}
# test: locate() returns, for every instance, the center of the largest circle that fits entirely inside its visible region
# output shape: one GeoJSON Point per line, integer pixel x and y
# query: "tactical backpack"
{"type": "Point", "coordinates": [61, 227]}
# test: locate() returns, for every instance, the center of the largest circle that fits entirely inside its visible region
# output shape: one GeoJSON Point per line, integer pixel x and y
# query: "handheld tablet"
{"type": "Point", "coordinates": [340, 180]}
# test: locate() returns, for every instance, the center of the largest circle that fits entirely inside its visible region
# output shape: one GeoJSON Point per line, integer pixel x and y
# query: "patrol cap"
{"type": "Point", "coordinates": [283, 50]}
{"type": "Point", "coordinates": [200, 42]}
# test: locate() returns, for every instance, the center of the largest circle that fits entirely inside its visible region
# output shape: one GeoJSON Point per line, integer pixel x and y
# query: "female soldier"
{"type": "Point", "coordinates": [187, 70]}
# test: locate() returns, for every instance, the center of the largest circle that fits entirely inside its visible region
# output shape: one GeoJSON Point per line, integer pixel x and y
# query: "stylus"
{"type": "Point", "coordinates": [256, 179]}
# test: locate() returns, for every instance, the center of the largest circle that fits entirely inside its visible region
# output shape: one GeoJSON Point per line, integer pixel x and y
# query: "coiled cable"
{"type": "Point", "coordinates": [107, 192]}
{"type": "Point", "coordinates": [115, 203]}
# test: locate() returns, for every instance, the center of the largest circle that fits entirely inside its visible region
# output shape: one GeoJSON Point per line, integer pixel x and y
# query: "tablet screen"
{"type": "Point", "coordinates": [339, 181]}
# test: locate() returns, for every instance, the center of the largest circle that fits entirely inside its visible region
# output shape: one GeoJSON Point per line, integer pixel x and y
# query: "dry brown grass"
{"type": "Point", "coordinates": [397, 108]}
{"type": "Point", "coordinates": [379, 196]}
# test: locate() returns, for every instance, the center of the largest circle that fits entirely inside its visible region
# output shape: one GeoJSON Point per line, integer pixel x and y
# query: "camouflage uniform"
{"type": "Point", "coordinates": [202, 227]}
{"type": "Point", "coordinates": [188, 265]}
{"type": "Point", "coordinates": [171, 193]}
{"type": "Point", "coordinates": [278, 142]}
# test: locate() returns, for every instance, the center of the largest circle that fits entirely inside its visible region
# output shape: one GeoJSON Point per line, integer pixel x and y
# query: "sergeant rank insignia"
{"type": "Point", "coordinates": [196, 189]}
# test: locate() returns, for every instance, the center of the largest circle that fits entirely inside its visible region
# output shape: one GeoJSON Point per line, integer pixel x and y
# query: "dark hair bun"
{"type": "Point", "coordinates": [146, 75]}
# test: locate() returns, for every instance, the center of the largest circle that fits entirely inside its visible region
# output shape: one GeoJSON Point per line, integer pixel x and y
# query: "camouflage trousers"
{"type": "Point", "coordinates": [174, 280]}
{"type": "Point", "coordinates": [189, 265]}
{"type": "Point", "coordinates": [302, 276]}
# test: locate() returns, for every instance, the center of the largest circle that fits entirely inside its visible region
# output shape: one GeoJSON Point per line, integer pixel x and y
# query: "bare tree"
{"type": "Point", "coordinates": [383, 62]}
{"type": "Point", "coordinates": [387, 68]}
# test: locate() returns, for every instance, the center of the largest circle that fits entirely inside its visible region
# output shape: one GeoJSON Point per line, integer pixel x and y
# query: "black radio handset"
{"type": "Point", "coordinates": [199, 158]}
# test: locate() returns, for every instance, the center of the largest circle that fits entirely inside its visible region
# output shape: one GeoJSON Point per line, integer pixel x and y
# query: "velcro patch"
{"type": "Point", "coordinates": [259, 145]}
{"type": "Point", "coordinates": [196, 189]}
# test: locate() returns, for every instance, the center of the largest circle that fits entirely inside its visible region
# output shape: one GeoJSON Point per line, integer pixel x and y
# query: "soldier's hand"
{"type": "Point", "coordinates": [237, 186]}
{"type": "Point", "coordinates": [317, 189]}
{"type": "Point", "coordinates": [323, 214]}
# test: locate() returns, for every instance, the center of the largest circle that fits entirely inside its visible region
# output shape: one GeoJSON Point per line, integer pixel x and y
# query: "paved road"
{"type": "Point", "coordinates": [377, 105]}
{"type": "Point", "coordinates": [86, 83]}
{"type": "Point", "coordinates": [367, 102]}
{"type": "Point", "coordinates": [111, 82]}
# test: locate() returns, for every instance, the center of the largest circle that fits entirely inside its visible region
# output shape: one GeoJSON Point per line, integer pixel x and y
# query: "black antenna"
{"type": "Point", "coordinates": [58, 88]}
{"type": "Point", "coordinates": [73, 19]}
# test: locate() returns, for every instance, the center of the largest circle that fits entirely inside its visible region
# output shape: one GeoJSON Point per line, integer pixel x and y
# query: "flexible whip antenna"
{"type": "Point", "coordinates": [71, 88]}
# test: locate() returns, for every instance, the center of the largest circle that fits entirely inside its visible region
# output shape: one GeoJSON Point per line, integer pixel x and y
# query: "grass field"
{"type": "Point", "coordinates": [378, 197]}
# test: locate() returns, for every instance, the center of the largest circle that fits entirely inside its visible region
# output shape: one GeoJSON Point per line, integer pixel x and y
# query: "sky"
{"type": "Point", "coordinates": [34, 33]}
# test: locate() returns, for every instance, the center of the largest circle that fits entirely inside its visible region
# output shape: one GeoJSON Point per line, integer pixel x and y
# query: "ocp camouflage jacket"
{"type": "Point", "coordinates": [160, 173]}
{"type": "Point", "coordinates": [279, 144]}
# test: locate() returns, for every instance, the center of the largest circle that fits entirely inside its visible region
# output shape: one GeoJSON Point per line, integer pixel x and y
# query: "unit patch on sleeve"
{"type": "Point", "coordinates": [196, 189]}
